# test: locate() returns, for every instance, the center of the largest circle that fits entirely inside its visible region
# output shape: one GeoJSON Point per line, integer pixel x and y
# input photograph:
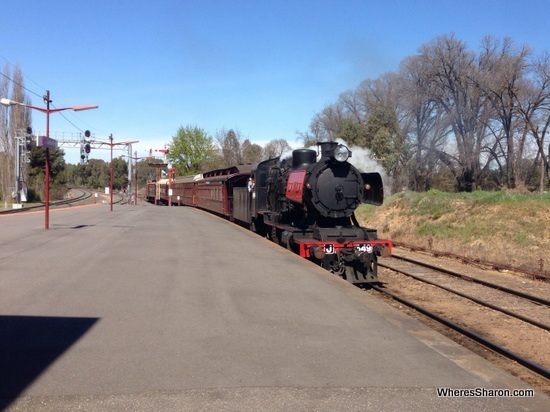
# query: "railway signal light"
{"type": "Point", "coordinates": [86, 149]}
{"type": "Point", "coordinates": [28, 137]}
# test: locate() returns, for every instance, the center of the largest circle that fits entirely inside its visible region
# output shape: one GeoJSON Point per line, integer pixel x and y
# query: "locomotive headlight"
{"type": "Point", "coordinates": [341, 153]}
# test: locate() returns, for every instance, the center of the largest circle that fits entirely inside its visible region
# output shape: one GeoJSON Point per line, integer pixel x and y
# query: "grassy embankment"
{"type": "Point", "coordinates": [502, 226]}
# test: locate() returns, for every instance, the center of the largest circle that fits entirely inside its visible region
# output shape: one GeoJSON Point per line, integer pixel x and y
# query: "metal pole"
{"type": "Point", "coordinates": [111, 179]}
{"type": "Point", "coordinates": [136, 182]}
{"type": "Point", "coordinates": [130, 174]}
{"type": "Point", "coordinates": [47, 110]}
{"type": "Point", "coordinates": [47, 194]}
{"type": "Point", "coordinates": [47, 177]}
{"type": "Point", "coordinates": [169, 187]}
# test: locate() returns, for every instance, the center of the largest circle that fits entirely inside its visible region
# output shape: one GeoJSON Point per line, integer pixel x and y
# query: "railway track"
{"type": "Point", "coordinates": [530, 298]}
{"type": "Point", "coordinates": [535, 274]}
{"type": "Point", "coordinates": [506, 314]}
{"type": "Point", "coordinates": [81, 196]}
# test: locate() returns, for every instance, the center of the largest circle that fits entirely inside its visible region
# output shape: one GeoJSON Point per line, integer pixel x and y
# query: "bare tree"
{"type": "Point", "coordinates": [6, 152]}
{"type": "Point", "coordinates": [251, 152]}
{"type": "Point", "coordinates": [307, 138]}
{"type": "Point", "coordinates": [425, 124]}
{"type": "Point", "coordinates": [276, 148]}
{"type": "Point", "coordinates": [502, 78]}
{"type": "Point", "coordinates": [230, 146]}
{"type": "Point", "coordinates": [455, 74]}
{"type": "Point", "coordinates": [383, 91]}
{"type": "Point", "coordinates": [326, 125]}
{"type": "Point", "coordinates": [353, 105]}
{"type": "Point", "coordinates": [535, 110]}
{"type": "Point", "coordinates": [13, 121]}
{"type": "Point", "coordinates": [483, 116]}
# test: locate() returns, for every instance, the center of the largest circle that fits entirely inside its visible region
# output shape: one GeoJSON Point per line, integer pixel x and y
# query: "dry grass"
{"type": "Point", "coordinates": [506, 227]}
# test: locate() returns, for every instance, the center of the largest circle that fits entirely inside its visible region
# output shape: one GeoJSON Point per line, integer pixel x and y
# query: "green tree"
{"type": "Point", "coordinates": [37, 168]}
{"type": "Point", "coordinates": [120, 174]}
{"type": "Point", "coordinates": [191, 150]}
{"type": "Point", "coordinates": [382, 136]}
{"type": "Point", "coordinates": [144, 172]}
{"type": "Point", "coordinates": [96, 174]}
{"type": "Point", "coordinates": [353, 133]}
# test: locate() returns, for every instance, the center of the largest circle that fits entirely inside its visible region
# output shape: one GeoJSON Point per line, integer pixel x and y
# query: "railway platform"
{"type": "Point", "coordinates": [169, 308]}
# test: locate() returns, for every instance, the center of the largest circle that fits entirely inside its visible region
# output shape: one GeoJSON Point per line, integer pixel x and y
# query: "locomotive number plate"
{"type": "Point", "coordinates": [364, 248]}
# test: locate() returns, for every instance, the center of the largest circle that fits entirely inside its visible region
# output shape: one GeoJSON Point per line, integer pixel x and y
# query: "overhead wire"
{"type": "Point", "coordinates": [12, 66]}
{"type": "Point", "coordinates": [42, 96]}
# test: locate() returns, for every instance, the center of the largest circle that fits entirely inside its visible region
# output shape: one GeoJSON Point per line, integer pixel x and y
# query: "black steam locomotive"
{"type": "Point", "coordinates": [303, 203]}
{"type": "Point", "coordinates": [308, 206]}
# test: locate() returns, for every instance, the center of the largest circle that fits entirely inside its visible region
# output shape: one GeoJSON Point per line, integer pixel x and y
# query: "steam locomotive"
{"type": "Point", "coordinates": [304, 203]}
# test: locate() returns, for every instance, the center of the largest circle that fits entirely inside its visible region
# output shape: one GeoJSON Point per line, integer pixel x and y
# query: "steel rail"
{"type": "Point", "coordinates": [83, 196]}
{"type": "Point", "coordinates": [473, 299]}
{"type": "Point", "coordinates": [514, 292]}
{"type": "Point", "coordinates": [542, 275]}
{"type": "Point", "coordinates": [533, 366]}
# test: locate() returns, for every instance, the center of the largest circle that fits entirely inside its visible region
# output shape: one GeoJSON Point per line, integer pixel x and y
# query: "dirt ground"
{"type": "Point", "coordinates": [510, 234]}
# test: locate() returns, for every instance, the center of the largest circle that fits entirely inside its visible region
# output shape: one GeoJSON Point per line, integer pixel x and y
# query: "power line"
{"type": "Point", "coordinates": [13, 67]}
{"type": "Point", "coordinates": [19, 84]}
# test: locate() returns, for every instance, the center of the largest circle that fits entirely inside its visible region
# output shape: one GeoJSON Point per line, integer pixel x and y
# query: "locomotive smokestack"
{"type": "Point", "coordinates": [302, 158]}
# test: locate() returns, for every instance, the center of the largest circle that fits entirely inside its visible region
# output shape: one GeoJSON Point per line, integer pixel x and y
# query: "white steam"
{"type": "Point", "coordinates": [364, 161]}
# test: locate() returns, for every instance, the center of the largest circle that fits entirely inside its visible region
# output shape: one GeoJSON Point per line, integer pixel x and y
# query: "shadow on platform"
{"type": "Point", "coordinates": [29, 344]}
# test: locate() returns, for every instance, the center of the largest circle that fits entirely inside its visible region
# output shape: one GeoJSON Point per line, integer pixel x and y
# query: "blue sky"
{"type": "Point", "coordinates": [262, 67]}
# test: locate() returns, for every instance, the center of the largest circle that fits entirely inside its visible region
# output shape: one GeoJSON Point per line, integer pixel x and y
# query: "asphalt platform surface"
{"type": "Point", "coordinates": [171, 309]}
